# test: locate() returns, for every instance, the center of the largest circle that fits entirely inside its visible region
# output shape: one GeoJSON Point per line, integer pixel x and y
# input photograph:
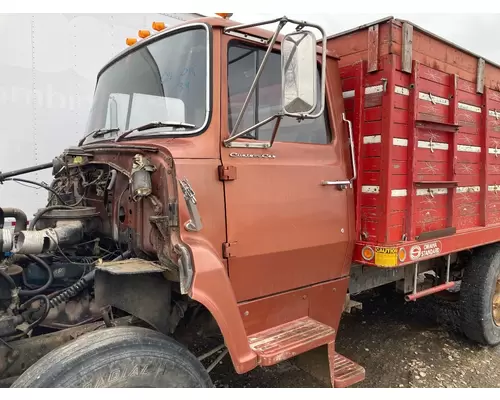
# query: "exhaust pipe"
{"type": "Point", "coordinates": [6, 238]}
{"type": "Point", "coordinates": [6, 235]}
{"type": "Point", "coordinates": [19, 215]}
{"type": "Point", "coordinates": [45, 240]}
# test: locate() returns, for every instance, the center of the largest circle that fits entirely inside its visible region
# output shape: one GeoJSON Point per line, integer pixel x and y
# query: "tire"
{"type": "Point", "coordinates": [476, 296]}
{"type": "Point", "coordinates": [117, 357]}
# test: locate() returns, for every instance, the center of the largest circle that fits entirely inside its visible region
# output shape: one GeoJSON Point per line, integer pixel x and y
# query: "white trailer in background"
{"type": "Point", "coordinates": [48, 69]}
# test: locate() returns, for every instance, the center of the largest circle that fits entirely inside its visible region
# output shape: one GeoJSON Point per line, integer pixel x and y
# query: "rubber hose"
{"type": "Point", "coordinates": [8, 278]}
{"type": "Point", "coordinates": [40, 213]}
{"type": "Point", "coordinates": [36, 184]}
{"type": "Point", "coordinates": [81, 284]}
{"type": "Point", "coordinates": [45, 311]}
{"type": "Point", "coordinates": [43, 264]}
{"type": "Point", "coordinates": [36, 322]}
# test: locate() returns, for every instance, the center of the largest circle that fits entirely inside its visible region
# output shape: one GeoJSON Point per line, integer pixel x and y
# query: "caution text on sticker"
{"type": "Point", "coordinates": [386, 250]}
{"type": "Point", "coordinates": [386, 257]}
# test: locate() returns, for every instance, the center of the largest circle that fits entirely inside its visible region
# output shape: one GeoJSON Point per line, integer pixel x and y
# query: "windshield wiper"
{"type": "Point", "coordinates": [97, 133]}
{"type": "Point", "coordinates": [155, 124]}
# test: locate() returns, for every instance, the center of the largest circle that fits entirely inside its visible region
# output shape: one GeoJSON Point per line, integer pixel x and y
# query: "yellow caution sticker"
{"type": "Point", "coordinates": [386, 256]}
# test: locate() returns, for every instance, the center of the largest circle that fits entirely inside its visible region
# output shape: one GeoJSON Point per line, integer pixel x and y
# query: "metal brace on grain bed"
{"type": "Point", "coordinates": [431, 97]}
{"type": "Point", "coordinates": [384, 84]}
{"type": "Point", "coordinates": [431, 145]}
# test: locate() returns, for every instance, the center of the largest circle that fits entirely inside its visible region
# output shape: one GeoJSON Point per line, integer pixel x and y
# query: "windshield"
{"type": "Point", "coordinates": [166, 80]}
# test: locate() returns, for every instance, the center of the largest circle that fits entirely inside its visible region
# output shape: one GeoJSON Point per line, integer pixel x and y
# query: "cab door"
{"type": "Point", "coordinates": [285, 229]}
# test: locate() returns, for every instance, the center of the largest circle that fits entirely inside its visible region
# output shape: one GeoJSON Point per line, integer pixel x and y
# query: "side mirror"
{"type": "Point", "coordinates": [299, 97]}
{"type": "Point", "coordinates": [298, 69]}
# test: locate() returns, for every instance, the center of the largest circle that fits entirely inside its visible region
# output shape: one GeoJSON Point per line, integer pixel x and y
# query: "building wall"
{"type": "Point", "coordinates": [48, 69]}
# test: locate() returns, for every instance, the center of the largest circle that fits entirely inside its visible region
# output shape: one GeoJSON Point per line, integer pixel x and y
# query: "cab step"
{"type": "Point", "coordinates": [290, 339]}
{"type": "Point", "coordinates": [345, 372]}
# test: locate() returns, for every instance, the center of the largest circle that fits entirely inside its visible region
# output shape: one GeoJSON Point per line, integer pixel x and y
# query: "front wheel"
{"type": "Point", "coordinates": [117, 357]}
{"type": "Point", "coordinates": [480, 296]}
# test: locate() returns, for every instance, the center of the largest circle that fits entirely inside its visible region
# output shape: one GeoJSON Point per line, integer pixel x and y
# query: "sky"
{"type": "Point", "coordinates": [478, 33]}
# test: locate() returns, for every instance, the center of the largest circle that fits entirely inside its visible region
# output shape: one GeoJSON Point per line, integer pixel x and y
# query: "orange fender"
{"type": "Point", "coordinates": [212, 288]}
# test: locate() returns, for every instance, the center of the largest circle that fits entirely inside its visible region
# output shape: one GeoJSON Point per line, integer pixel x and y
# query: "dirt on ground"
{"type": "Point", "coordinates": [399, 344]}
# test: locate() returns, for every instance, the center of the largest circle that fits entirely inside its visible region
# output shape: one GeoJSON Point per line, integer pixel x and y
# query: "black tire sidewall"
{"type": "Point", "coordinates": [491, 330]}
{"type": "Point", "coordinates": [118, 357]}
{"type": "Point", "coordinates": [476, 296]}
{"type": "Point", "coordinates": [133, 369]}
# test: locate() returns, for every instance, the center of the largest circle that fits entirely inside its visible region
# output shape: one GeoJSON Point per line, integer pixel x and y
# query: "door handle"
{"type": "Point", "coordinates": [341, 185]}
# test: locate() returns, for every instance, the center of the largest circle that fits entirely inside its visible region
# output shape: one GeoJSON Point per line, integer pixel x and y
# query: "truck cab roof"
{"type": "Point", "coordinates": [213, 22]}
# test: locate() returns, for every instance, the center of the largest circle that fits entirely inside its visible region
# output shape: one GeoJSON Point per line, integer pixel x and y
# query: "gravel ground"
{"type": "Point", "coordinates": [399, 344]}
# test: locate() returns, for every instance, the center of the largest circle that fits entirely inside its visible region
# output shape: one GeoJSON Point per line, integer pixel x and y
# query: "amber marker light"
{"type": "Point", "coordinates": [402, 254]}
{"type": "Point", "coordinates": [158, 26]}
{"type": "Point", "coordinates": [224, 15]}
{"type": "Point", "coordinates": [367, 253]}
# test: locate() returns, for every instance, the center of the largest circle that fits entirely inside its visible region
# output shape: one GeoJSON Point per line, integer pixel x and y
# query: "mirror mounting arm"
{"type": "Point", "coordinates": [275, 130]}
{"type": "Point", "coordinates": [253, 87]}
{"type": "Point", "coordinates": [282, 20]}
{"type": "Point", "coordinates": [229, 142]}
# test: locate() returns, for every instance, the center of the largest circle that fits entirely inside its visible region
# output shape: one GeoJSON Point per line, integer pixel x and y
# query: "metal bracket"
{"type": "Point", "coordinates": [246, 36]}
{"type": "Point", "coordinates": [246, 145]}
{"type": "Point", "coordinates": [227, 172]}
{"type": "Point", "coordinates": [194, 224]}
{"type": "Point", "coordinates": [226, 250]}
{"type": "Point", "coordinates": [384, 84]}
{"type": "Point", "coordinates": [431, 97]}
{"type": "Point", "coordinates": [373, 48]}
{"type": "Point", "coordinates": [480, 75]}
{"type": "Point", "coordinates": [407, 48]}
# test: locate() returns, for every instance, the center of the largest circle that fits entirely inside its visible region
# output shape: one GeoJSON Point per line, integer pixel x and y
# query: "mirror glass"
{"type": "Point", "coordinates": [298, 68]}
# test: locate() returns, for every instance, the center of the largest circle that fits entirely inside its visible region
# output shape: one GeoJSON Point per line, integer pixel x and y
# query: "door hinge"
{"type": "Point", "coordinates": [226, 249]}
{"type": "Point", "coordinates": [227, 173]}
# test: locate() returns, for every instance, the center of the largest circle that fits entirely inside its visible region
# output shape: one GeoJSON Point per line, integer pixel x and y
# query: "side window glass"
{"type": "Point", "coordinates": [243, 63]}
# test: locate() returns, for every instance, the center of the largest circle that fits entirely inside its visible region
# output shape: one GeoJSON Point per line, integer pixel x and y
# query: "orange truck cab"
{"type": "Point", "coordinates": [270, 237]}
{"type": "Point", "coordinates": [269, 177]}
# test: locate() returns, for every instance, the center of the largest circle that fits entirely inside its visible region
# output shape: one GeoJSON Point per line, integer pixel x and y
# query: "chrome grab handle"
{"type": "Point", "coordinates": [343, 184]}
{"type": "Point", "coordinates": [351, 144]}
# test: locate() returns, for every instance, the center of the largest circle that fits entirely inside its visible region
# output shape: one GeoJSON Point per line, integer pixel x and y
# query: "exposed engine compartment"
{"type": "Point", "coordinates": [47, 266]}
{"type": "Point", "coordinates": [96, 212]}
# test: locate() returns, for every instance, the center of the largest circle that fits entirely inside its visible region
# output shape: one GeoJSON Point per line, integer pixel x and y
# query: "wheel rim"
{"type": "Point", "coordinates": [496, 302]}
